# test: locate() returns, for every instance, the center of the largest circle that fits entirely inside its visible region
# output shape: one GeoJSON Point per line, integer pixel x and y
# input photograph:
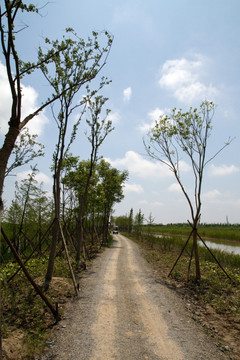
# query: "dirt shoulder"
{"type": "Point", "coordinates": [127, 311]}
{"type": "Point", "coordinates": [222, 326]}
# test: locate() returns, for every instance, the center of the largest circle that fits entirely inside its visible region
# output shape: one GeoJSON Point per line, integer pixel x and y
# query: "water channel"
{"type": "Point", "coordinates": [232, 249]}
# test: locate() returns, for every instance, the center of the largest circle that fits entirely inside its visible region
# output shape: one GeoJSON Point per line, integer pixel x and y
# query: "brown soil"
{"type": "Point", "coordinates": [223, 328]}
{"type": "Point", "coordinates": [126, 311]}
{"type": "Point", "coordinates": [15, 344]}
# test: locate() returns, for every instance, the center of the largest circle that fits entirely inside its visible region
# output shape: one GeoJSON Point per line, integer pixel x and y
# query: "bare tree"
{"type": "Point", "coordinates": [185, 133]}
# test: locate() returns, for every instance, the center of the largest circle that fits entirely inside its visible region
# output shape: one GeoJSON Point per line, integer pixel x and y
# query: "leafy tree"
{"type": "Point", "coordinates": [122, 222]}
{"type": "Point", "coordinates": [111, 189]}
{"type": "Point", "coordinates": [17, 69]}
{"type": "Point", "coordinates": [28, 213]}
{"type": "Point", "coordinates": [150, 219]}
{"type": "Point", "coordinates": [23, 195]}
{"type": "Point", "coordinates": [139, 219]}
{"type": "Point", "coordinates": [13, 217]}
{"type": "Point", "coordinates": [99, 130]}
{"type": "Point", "coordinates": [80, 179]}
{"type": "Point", "coordinates": [26, 149]}
{"type": "Point", "coordinates": [104, 190]}
{"type": "Point", "coordinates": [70, 163]}
{"type": "Point", "coordinates": [130, 221]}
{"type": "Point", "coordinates": [185, 133]}
{"type": "Point", "coordinates": [75, 62]}
{"type": "Point", "coordinates": [42, 212]}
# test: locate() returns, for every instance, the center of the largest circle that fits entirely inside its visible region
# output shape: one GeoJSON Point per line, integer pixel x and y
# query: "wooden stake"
{"type": "Point", "coordinates": [214, 257]}
{"type": "Point", "coordinates": [68, 259]}
{"type": "Point", "coordinates": [36, 287]}
{"type": "Point", "coordinates": [180, 253]}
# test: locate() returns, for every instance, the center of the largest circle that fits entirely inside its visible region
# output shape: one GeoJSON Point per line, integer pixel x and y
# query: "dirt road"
{"type": "Point", "coordinates": [124, 313]}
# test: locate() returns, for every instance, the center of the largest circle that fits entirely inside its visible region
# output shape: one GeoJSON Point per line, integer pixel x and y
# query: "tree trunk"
{"type": "Point", "coordinates": [105, 225]}
{"type": "Point", "coordinates": [51, 260]}
{"type": "Point", "coordinates": [5, 153]}
{"type": "Point", "coordinates": [196, 255]}
{"type": "Point", "coordinates": [79, 238]}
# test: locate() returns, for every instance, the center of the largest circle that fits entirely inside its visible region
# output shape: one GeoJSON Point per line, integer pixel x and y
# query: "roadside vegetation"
{"type": "Point", "coordinates": [224, 232]}
{"type": "Point", "coordinates": [28, 309]}
{"type": "Point", "coordinates": [46, 240]}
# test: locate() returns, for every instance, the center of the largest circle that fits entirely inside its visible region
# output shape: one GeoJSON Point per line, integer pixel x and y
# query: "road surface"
{"type": "Point", "coordinates": [124, 313]}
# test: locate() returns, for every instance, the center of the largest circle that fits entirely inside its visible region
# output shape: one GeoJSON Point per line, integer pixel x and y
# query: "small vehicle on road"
{"type": "Point", "coordinates": [115, 230]}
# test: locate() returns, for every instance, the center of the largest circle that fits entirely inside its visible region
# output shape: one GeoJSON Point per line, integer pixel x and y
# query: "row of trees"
{"type": "Point", "coordinates": [71, 67]}
{"type": "Point", "coordinates": [85, 218]}
{"type": "Point", "coordinates": [77, 215]}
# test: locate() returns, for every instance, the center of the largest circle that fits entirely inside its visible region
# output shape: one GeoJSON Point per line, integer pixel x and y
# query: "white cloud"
{"type": "Point", "coordinates": [223, 170]}
{"type": "Point", "coordinates": [153, 115]}
{"type": "Point", "coordinates": [211, 195]}
{"type": "Point", "coordinates": [175, 188]}
{"type": "Point", "coordinates": [29, 104]}
{"type": "Point", "coordinates": [143, 202]}
{"type": "Point", "coordinates": [127, 94]}
{"type": "Point", "coordinates": [151, 203]}
{"type": "Point", "coordinates": [184, 167]}
{"type": "Point", "coordinates": [114, 117]}
{"type": "Point", "coordinates": [182, 77]}
{"type": "Point", "coordinates": [156, 203]}
{"type": "Point", "coordinates": [39, 177]}
{"type": "Point", "coordinates": [135, 188]}
{"type": "Point", "coordinates": [136, 164]}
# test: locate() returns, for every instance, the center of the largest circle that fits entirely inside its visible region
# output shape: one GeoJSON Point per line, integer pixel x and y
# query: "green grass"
{"type": "Point", "coordinates": [167, 243]}
{"type": "Point", "coordinates": [23, 309]}
{"type": "Point", "coordinates": [228, 232]}
{"type": "Point", "coordinates": [215, 288]}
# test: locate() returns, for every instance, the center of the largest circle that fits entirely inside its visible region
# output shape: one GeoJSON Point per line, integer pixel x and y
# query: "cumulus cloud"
{"type": "Point", "coordinates": [183, 78]}
{"type": "Point", "coordinates": [184, 167]}
{"type": "Point", "coordinates": [29, 105]}
{"type": "Point", "coordinates": [223, 170]}
{"type": "Point", "coordinates": [153, 116]}
{"type": "Point", "coordinates": [114, 117]}
{"type": "Point", "coordinates": [141, 167]}
{"type": "Point", "coordinates": [127, 94]}
{"type": "Point", "coordinates": [135, 188]}
{"type": "Point", "coordinates": [39, 177]}
{"type": "Point", "coordinates": [175, 188]}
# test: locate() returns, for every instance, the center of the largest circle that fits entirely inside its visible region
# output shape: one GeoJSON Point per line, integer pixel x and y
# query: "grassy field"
{"type": "Point", "coordinates": [224, 232]}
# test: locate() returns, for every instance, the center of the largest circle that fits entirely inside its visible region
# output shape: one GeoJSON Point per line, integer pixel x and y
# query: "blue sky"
{"type": "Point", "coordinates": [165, 54]}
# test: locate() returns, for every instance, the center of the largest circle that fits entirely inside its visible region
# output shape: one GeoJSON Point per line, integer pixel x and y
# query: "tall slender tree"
{"type": "Point", "coordinates": [78, 63]}
{"type": "Point", "coordinates": [185, 133]}
{"type": "Point", "coordinates": [99, 128]}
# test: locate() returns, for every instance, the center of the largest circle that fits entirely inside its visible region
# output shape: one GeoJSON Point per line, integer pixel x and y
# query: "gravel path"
{"type": "Point", "coordinates": [123, 313]}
